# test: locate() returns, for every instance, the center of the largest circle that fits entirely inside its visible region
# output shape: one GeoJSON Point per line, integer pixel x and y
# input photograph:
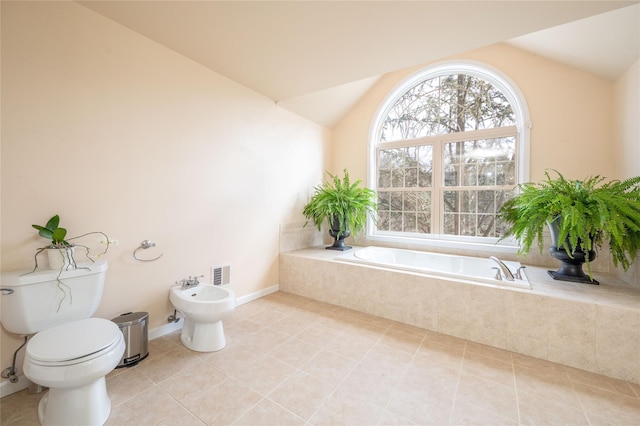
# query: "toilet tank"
{"type": "Point", "coordinates": [47, 298]}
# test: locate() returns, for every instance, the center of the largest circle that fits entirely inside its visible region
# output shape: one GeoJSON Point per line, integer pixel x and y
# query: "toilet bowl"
{"type": "Point", "coordinates": [203, 307]}
{"type": "Point", "coordinates": [72, 360]}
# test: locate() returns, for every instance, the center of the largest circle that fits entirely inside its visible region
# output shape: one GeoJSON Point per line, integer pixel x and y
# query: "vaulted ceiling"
{"type": "Point", "coordinates": [316, 58]}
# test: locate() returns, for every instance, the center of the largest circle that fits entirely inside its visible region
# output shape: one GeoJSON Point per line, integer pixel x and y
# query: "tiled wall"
{"type": "Point", "coordinates": [296, 236]}
{"type": "Point", "coordinates": [588, 327]}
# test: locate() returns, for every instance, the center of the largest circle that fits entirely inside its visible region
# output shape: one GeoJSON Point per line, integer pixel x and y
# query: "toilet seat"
{"type": "Point", "coordinates": [73, 343]}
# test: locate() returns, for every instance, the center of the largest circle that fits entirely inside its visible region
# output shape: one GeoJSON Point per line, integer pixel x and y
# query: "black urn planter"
{"type": "Point", "coordinates": [339, 236]}
{"type": "Point", "coordinates": [571, 267]}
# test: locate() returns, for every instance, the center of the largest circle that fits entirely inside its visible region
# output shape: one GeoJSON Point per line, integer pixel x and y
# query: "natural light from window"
{"type": "Point", "coordinates": [448, 147]}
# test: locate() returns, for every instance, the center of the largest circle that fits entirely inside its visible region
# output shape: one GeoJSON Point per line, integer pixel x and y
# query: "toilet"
{"type": "Point", "coordinates": [70, 352]}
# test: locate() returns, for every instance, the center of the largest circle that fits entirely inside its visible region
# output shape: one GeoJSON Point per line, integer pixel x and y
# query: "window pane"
{"type": "Point", "coordinates": [487, 175]}
{"type": "Point", "coordinates": [424, 222]}
{"type": "Point", "coordinates": [486, 223]}
{"type": "Point", "coordinates": [383, 221]}
{"type": "Point", "coordinates": [470, 177]}
{"type": "Point", "coordinates": [467, 225]}
{"type": "Point", "coordinates": [409, 202]}
{"type": "Point", "coordinates": [410, 223]}
{"type": "Point", "coordinates": [468, 204]}
{"type": "Point", "coordinates": [447, 104]}
{"type": "Point", "coordinates": [422, 200]}
{"type": "Point", "coordinates": [395, 201]}
{"type": "Point", "coordinates": [486, 201]}
{"type": "Point", "coordinates": [384, 178]}
{"type": "Point", "coordinates": [506, 173]}
{"type": "Point", "coordinates": [395, 221]}
{"type": "Point", "coordinates": [411, 177]}
{"type": "Point", "coordinates": [383, 200]}
{"type": "Point", "coordinates": [451, 202]}
{"type": "Point", "coordinates": [397, 178]}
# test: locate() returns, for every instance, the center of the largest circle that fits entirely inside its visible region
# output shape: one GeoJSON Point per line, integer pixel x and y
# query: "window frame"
{"type": "Point", "coordinates": [523, 124]}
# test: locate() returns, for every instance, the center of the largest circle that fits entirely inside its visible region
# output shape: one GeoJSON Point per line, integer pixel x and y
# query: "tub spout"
{"type": "Point", "coordinates": [504, 268]}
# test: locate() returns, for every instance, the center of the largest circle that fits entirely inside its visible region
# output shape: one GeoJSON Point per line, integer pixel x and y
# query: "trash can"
{"type": "Point", "coordinates": [134, 327]}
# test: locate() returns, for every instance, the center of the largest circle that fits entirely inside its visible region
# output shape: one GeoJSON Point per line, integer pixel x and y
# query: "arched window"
{"type": "Point", "coordinates": [448, 147]}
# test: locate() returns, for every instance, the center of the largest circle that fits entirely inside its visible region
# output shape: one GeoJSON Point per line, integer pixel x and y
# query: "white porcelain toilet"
{"type": "Point", "coordinates": [203, 307]}
{"type": "Point", "coordinates": [70, 353]}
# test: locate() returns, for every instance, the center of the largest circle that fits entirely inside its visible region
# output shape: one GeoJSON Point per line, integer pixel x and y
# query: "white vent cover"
{"type": "Point", "coordinates": [221, 275]}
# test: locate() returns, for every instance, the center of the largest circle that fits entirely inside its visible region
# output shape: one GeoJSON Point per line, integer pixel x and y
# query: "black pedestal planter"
{"type": "Point", "coordinates": [339, 244]}
{"type": "Point", "coordinates": [571, 268]}
{"type": "Point", "coordinates": [338, 236]}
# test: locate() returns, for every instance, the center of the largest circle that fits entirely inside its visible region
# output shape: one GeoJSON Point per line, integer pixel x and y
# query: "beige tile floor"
{"type": "Point", "coordinates": [295, 361]}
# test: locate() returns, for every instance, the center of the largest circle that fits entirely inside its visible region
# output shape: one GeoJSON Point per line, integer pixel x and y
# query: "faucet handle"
{"type": "Point", "coordinates": [519, 272]}
{"type": "Point", "coordinates": [498, 274]}
{"type": "Point", "coordinates": [194, 280]}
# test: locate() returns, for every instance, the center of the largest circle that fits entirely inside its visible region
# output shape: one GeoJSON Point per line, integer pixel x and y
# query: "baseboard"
{"type": "Point", "coordinates": [154, 333]}
{"type": "Point", "coordinates": [7, 388]}
{"type": "Point", "coordinates": [257, 295]}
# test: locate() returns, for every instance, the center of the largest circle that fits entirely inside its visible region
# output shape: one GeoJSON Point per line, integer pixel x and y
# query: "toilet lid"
{"type": "Point", "coordinates": [73, 340]}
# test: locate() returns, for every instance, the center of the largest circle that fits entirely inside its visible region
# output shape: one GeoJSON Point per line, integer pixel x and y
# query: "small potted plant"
{"type": "Point", "coordinates": [581, 215]}
{"type": "Point", "coordinates": [60, 251]}
{"type": "Point", "coordinates": [344, 205]}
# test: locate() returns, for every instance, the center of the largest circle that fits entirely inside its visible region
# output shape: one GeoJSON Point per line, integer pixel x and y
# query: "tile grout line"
{"type": "Point", "coordinates": [515, 388]}
{"type": "Point", "coordinates": [455, 394]}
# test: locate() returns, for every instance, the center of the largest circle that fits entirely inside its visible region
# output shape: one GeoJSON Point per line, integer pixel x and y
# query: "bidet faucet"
{"type": "Point", "coordinates": [189, 282]}
{"type": "Point", "coordinates": [508, 275]}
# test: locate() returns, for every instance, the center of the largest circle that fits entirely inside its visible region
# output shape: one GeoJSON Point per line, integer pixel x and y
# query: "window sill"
{"type": "Point", "coordinates": [505, 247]}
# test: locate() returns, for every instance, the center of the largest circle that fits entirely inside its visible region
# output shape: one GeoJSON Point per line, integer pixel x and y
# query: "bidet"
{"type": "Point", "coordinates": [203, 307]}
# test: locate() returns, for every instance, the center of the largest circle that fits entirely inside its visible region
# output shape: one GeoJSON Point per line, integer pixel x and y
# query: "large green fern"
{"type": "Point", "coordinates": [338, 198]}
{"type": "Point", "coordinates": [590, 211]}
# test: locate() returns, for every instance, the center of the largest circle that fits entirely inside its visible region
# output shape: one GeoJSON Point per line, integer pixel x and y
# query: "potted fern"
{"type": "Point", "coordinates": [60, 251]}
{"type": "Point", "coordinates": [344, 205]}
{"type": "Point", "coordinates": [581, 216]}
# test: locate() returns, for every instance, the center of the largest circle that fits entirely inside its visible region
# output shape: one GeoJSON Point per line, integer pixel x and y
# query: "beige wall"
{"type": "Point", "coordinates": [626, 124]}
{"type": "Point", "coordinates": [626, 131]}
{"type": "Point", "coordinates": [117, 133]}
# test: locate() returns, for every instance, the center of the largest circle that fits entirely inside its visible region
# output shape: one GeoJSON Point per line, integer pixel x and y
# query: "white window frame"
{"type": "Point", "coordinates": [523, 125]}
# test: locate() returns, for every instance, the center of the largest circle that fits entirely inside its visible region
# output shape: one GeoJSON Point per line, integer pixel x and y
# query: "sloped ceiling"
{"type": "Point", "coordinates": [317, 57]}
{"type": "Point", "coordinates": [605, 45]}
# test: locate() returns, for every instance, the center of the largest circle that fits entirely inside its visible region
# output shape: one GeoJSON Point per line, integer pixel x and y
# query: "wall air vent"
{"type": "Point", "coordinates": [221, 275]}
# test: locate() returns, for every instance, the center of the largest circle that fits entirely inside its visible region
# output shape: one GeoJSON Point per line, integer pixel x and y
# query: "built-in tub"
{"type": "Point", "coordinates": [474, 269]}
{"type": "Point", "coordinates": [569, 323]}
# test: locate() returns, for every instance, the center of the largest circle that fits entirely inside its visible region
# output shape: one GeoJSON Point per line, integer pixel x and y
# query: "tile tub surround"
{"type": "Point", "coordinates": [296, 361]}
{"type": "Point", "coordinates": [593, 328]}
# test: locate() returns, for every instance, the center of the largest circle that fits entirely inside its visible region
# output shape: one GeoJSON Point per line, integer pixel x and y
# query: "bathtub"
{"type": "Point", "coordinates": [474, 269]}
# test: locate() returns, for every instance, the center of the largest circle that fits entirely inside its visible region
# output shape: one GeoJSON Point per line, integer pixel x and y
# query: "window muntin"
{"type": "Point", "coordinates": [447, 155]}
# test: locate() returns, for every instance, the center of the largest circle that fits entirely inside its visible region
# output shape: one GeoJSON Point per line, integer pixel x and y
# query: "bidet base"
{"type": "Point", "coordinates": [203, 337]}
